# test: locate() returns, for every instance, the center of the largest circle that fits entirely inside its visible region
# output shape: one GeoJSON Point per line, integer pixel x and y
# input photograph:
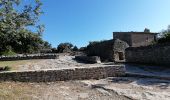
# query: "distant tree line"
{"type": "Point", "coordinates": [65, 47]}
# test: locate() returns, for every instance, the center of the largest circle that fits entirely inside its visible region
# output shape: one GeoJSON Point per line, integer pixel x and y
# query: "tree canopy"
{"type": "Point", "coordinates": [64, 47]}
{"type": "Point", "coordinates": [165, 36]}
{"type": "Point", "coordinates": [16, 22]}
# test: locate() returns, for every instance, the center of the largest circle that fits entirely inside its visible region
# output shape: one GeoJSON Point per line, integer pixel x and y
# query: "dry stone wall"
{"type": "Point", "coordinates": [64, 74]}
{"type": "Point", "coordinates": [156, 54]}
{"type": "Point", "coordinates": [27, 57]}
{"type": "Point", "coordinates": [107, 50]}
{"type": "Point", "coordinates": [103, 49]}
{"type": "Point", "coordinates": [88, 59]}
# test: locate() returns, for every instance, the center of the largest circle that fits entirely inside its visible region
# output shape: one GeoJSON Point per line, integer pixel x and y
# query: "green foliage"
{"type": "Point", "coordinates": [75, 48]}
{"type": "Point", "coordinates": [64, 46]}
{"type": "Point", "coordinates": [6, 68]}
{"type": "Point", "coordinates": [46, 45]}
{"type": "Point", "coordinates": [54, 50]}
{"type": "Point", "coordinates": [8, 52]}
{"type": "Point", "coordinates": [165, 36]}
{"type": "Point", "coordinates": [147, 30]}
{"type": "Point", "coordinates": [14, 22]}
{"type": "Point", "coordinates": [92, 43]}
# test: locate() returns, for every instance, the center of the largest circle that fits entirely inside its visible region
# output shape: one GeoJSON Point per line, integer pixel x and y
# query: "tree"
{"type": "Point", "coordinates": [75, 48]}
{"type": "Point", "coordinates": [64, 47]}
{"type": "Point", "coordinates": [147, 30]}
{"type": "Point", "coordinates": [15, 20]}
{"type": "Point", "coordinates": [164, 36]}
{"type": "Point", "coordinates": [46, 45]}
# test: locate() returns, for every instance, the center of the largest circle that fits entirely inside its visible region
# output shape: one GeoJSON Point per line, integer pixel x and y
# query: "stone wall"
{"type": "Point", "coordinates": [143, 39]}
{"type": "Point", "coordinates": [103, 49]}
{"type": "Point", "coordinates": [27, 57]}
{"type": "Point", "coordinates": [108, 50]}
{"type": "Point", "coordinates": [156, 54]}
{"type": "Point", "coordinates": [136, 39]}
{"type": "Point", "coordinates": [124, 36]}
{"type": "Point", "coordinates": [88, 59]}
{"type": "Point", "coordinates": [64, 74]}
{"type": "Point", "coordinates": [119, 46]}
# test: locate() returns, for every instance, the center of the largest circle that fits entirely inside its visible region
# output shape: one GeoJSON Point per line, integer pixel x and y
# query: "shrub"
{"type": "Point", "coordinates": [8, 51]}
{"type": "Point", "coordinates": [75, 48]}
{"type": "Point", "coordinates": [6, 68]}
{"type": "Point", "coordinates": [165, 36]}
{"type": "Point", "coordinates": [64, 47]}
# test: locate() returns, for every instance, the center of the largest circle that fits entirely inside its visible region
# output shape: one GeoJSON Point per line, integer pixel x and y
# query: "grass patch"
{"type": "Point", "coordinates": [14, 65]}
{"type": "Point", "coordinates": [6, 68]}
{"type": "Point", "coordinates": [8, 53]}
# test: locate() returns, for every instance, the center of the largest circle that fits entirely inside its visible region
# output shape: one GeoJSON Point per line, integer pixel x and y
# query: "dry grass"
{"type": "Point", "coordinates": [11, 91]}
{"type": "Point", "coordinates": [15, 64]}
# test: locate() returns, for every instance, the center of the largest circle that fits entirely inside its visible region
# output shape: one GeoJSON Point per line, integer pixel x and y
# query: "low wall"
{"type": "Point", "coordinates": [156, 54]}
{"type": "Point", "coordinates": [64, 74]}
{"type": "Point", "coordinates": [27, 57]}
{"type": "Point", "coordinates": [88, 59]}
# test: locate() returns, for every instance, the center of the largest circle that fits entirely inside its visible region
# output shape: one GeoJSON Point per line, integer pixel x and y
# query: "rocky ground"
{"type": "Point", "coordinates": [127, 88]}
{"type": "Point", "coordinates": [134, 88]}
{"type": "Point", "coordinates": [64, 62]}
{"type": "Point", "coordinates": [72, 90]}
{"type": "Point", "coordinates": [123, 88]}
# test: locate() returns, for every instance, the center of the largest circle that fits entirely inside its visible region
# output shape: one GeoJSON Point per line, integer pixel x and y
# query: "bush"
{"type": "Point", "coordinates": [6, 68]}
{"type": "Point", "coordinates": [64, 47]}
{"type": "Point", "coordinates": [165, 36]}
{"type": "Point", "coordinates": [8, 51]}
{"type": "Point", "coordinates": [75, 48]}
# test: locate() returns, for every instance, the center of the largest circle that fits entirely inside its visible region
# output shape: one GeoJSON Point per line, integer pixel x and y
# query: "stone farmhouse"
{"type": "Point", "coordinates": [114, 50]}
{"type": "Point", "coordinates": [136, 39]}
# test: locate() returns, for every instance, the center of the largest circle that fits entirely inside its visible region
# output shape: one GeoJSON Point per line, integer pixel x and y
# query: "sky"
{"type": "Point", "coordinates": [81, 21]}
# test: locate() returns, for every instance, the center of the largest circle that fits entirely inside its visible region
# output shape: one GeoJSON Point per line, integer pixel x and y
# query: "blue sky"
{"type": "Point", "coordinates": [81, 21]}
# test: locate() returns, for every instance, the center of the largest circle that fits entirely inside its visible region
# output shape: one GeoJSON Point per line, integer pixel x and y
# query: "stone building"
{"type": "Point", "coordinates": [136, 39]}
{"type": "Point", "coordinates": [109, 50]}
{"type": "Point", "coordinates": [114, 50]}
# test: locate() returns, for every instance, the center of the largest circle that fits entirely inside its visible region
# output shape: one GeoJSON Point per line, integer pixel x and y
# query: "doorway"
{"type": "Point", "coordinates": [121, 55]}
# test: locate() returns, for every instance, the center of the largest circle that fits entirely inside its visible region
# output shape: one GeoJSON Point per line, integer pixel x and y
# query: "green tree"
{"type": "Point", "coordinates": [15, 21]}
{"type": "Point", "coordinates": [75, 48]}
{"type": "Point", "coordinates": [146, 30]}
{"type": "Point", "coordinates": [46, 45]}
{"type": "Point", "coordinates": [64, 47]}
{"type": "Point", "coordinates": [164, 36]}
